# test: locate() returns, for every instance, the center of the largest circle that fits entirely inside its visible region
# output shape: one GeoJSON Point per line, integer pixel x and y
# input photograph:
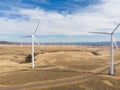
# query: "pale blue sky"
{"type": "Point", "coordinates": [60, 20]}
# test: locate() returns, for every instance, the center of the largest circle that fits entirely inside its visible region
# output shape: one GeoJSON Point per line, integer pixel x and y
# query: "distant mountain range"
{"type": "Point", "coordinates": [61, 43]}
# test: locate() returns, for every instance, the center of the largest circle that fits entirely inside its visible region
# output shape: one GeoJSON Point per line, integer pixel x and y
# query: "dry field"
{"type": "Point", "coordinates": [61, 67]}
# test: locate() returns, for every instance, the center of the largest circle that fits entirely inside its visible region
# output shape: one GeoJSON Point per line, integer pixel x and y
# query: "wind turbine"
{"type": "Point", "coordinates": [33, 38]}
{"type": "Point", "coordinates": [113, 42]}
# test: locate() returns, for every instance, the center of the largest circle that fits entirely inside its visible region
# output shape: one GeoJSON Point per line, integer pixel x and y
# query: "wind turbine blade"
{"type": "Point", "coordinates": [36, 28]}
{"type": "Point", "coordinates": [100, 32]}
{"type": "Point", "coordinates": [116, 28]}
{"type": "Point", "coordinates": [37, 40]}
{"type": "Point", "coordinates": [115, 43]}
{"type": "Point", "coordinates": [29, 36]}
{"type": "Point", "coordinates": [41, 46]}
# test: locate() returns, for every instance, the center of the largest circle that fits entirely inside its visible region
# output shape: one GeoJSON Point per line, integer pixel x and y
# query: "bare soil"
{"type": "Point", "coordinates": [59, 62]}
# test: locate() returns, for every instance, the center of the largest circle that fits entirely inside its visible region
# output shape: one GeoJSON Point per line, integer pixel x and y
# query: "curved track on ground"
{"type": "Point", "coordinates": [57, 82]}
{"type": "Point", "coordinates": [49, 83]}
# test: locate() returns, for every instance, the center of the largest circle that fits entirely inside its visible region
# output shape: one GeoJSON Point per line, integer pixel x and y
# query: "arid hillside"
{"type": "Point", "coordinates": [58, 67]}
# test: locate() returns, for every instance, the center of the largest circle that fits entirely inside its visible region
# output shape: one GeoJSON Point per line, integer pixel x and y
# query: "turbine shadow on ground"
{"type": "Point", "coordinates": [67, 70]}
{"type": "Point", "coordinates": [70, 80]}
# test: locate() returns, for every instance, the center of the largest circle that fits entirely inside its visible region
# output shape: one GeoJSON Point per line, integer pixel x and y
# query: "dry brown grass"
{"type": "Point", "coordinates": [58, 62]}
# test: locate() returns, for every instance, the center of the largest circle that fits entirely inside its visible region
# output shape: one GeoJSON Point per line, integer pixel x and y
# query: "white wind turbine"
{"type": "Point", "coordinates": [33, 38]}
{"type": "Point", "coordinates": [113, 42]}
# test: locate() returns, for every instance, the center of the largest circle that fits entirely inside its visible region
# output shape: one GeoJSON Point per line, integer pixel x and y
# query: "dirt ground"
{"type": "Point", "coordinates": [79, 68]}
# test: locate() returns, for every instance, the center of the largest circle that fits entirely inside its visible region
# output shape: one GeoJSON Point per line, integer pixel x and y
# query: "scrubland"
{"type": "Point", "coordinates": [60, 67]}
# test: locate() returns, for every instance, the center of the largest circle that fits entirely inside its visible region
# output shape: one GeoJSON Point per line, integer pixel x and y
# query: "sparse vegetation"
{"type": "Point", "coordinates": [28, 58]}
{"type": "Point", "coordinates": [95, 53]}
{"type": "Point", "coordinates": [59, 62]}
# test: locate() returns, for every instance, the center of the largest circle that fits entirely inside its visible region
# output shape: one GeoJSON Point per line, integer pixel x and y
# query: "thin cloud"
{"type": "Point", "coordinates": [102, 17]}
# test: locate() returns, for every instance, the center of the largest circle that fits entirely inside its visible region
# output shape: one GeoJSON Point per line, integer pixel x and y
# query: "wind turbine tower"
{"type": "Point", "coordinates": [33, 38]}
{"type": "Point", "coordinates": [113, 42]}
